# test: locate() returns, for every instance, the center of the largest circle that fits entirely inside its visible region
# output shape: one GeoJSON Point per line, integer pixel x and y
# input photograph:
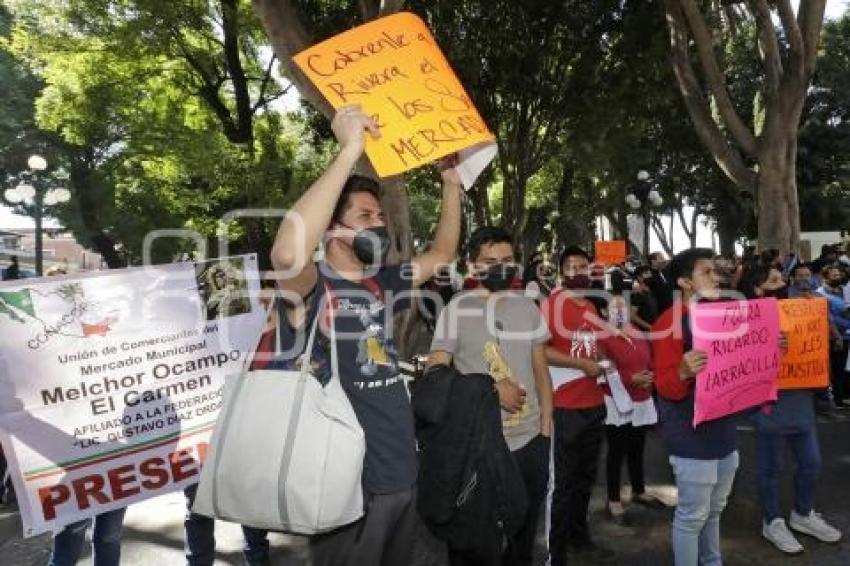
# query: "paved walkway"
{"type": "Point", "coordinates": [154, 530]}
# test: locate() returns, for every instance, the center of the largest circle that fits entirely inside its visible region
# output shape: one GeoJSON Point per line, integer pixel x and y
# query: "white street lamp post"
{"type": "Point", "coordinates": [643, 194]}
{"type": "Point", "coordinates": [37, 195]}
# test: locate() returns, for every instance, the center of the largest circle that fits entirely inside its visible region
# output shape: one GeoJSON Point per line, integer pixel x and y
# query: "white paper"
{"type": "Point", "coordinates": [473, 160]}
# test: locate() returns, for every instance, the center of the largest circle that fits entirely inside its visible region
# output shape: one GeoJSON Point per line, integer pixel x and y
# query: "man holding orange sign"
{"type": "Point", "coordinates": [354, 289]}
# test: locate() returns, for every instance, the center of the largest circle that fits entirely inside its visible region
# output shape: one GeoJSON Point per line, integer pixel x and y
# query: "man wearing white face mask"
{"type": "Point", "coordinates": [355, 282]}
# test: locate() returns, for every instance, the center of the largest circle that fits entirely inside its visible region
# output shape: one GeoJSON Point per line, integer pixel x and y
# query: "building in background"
{"type": "Point", "coordinates": [60, 248]}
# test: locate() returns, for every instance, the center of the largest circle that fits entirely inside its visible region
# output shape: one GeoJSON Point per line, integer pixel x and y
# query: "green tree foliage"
{"type": "Point", "coordinates": [823, 173]}
{"type": "Point", "coordinates": [164, 112]}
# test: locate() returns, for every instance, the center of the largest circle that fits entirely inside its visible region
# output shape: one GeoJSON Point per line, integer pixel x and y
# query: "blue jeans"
{"type": "Point", "coordinates": [106, 540]}
{"type": "Point", "coordinates": [200, 538]}
{"type": "Point", "coordinates": [704, 487]}
{"type": "Point", "coordinates": [804, 446]}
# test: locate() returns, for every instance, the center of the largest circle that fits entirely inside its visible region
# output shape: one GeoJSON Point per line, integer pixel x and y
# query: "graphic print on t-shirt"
{"type": "Point", "coordinates": [500, 370]}
{"type": "Point", "coordinates": [583, 344]}
{"type": "Point", "coordinates": [374, 348]}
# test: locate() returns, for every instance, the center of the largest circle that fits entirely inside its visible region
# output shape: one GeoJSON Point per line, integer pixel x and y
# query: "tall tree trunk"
{"type": "Point", "coordinates": [533, 232]}
{"type": "Point", "coordinates": [787, 66]}
{"type": "Point", "coordinates": [661, 233]}
{"type": "Point", "coordinates": [726, 236]}
{"type": "Point", "coordinates": [480, 199]}
{"type": "Point", "coordinates": [571, 227]}
{"type": "Point", "coordinates": [395, 203]}
{"type": "Point", "coordinates": [513, 203]}
{"type": "Point", "coordinates": [778, 210]}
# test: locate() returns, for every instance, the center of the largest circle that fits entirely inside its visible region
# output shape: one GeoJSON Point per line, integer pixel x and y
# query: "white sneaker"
{"type": "Point", "coordinates": [815, 526]}
{"type": "Point", "coordinates": [777, 533]}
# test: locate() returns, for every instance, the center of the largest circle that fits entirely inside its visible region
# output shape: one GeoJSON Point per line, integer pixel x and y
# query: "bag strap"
{"type": "Point", "coordinates": [328, 309]}
{"type": "Point", "coordinates": [249, 359]}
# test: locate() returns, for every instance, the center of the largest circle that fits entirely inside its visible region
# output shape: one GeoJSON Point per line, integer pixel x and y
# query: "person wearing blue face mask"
{"type": "Point", "coordinates": [839, 321]}
{"type": "Point", "coordinates": [801, 283]}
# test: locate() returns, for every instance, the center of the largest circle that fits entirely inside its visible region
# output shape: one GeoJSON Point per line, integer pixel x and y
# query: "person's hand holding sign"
{"type": "Point", "coordinates": [349, 125]}
{"type": "Point", "coordinates": [448, 171]}
{"type": "Point", "coordinates": [692, 363]}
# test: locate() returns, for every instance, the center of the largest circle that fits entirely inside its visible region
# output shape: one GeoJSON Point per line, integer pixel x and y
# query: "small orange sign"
{"type": "Point", "coordinates": [610, 252]}
{"type": "Point", "coordinates": [806, 363]}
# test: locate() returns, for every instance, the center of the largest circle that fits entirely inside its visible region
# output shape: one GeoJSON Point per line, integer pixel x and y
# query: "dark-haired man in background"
{"type": "Point", "coordinates": [579, 414]}
{"type": "Point", "coordinates": [660, 285]}
{"type": "Point", "coordinates": [643, 303]}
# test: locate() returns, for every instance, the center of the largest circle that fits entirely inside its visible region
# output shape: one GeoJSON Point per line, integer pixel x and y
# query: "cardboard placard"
{"type": "Point", "coordinates": [610, 252]}
{"type": "Point", "coordinates": [395, 70]}
{"type": "Point", "coordinates": [741, 339]}
{"type": "Point", "coordinates": [806, 363]}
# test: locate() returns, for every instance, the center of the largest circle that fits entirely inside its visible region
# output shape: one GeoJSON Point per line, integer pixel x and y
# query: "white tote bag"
{"type": "Point", "coordinates": [287, 453]}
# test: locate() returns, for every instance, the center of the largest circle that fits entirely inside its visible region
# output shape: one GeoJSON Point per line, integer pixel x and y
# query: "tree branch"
{"type": "Point", "coordinates": [681, 214]}
{"type": "Point", "coordinates": [716, 79]}
{"type": "Point", "coordinates": [792, 30]}
{"type": "Point", "coordinates": [769, 47]}
{"type": "Point", "coordinates": [368, 10]}
{"type": "Point", "coordinates": [209, 93]}
{"type": "Point", "coordinates": [288, 36]}
{"type": "Point", "coordinates": [390, 7]}
{"type": "Point", "coordinates": [261, 98]}
{"type": "Point", "coordinates": [729, 160]}
{"type": "Point", "coordinates": [661, 233]}
{"type": "Point", "coordinates": [244, 114]}
{"type": "Point", "coordinates": [810, 21]}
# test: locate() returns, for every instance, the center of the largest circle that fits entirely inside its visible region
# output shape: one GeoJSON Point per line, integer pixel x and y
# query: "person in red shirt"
{"type": "Point", "coordinates": [630, 410]}
{"type": "Point", "coordinates": [704, 458]}
{"type": "Point", "coordinates": [579, 409]}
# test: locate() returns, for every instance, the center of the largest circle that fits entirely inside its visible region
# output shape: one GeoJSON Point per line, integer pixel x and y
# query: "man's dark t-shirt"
{"type": "Point", "coordinates": [368, 366]}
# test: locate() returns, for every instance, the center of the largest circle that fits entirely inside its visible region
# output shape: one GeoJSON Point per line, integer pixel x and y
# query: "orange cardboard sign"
{"type": "Point", "coordinates": [806, 363]}
{"type": "Point", "coordinates": [395, 70]}
{"type": "Point", "coordinates": [610, 252]}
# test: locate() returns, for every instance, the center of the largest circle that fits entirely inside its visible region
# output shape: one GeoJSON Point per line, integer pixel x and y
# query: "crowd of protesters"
{"type": "Point", "coordinates": [580, 357]}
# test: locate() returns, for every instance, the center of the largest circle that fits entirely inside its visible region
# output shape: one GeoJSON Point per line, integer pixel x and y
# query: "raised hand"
{"type": "Point", "coordinates": [349, 124]}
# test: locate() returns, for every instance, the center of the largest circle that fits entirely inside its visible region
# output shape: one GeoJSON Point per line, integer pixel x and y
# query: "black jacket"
{"type": "Point", "coordinates": [470, 490]}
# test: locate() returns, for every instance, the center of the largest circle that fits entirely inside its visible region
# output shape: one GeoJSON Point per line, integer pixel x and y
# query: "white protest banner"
{"type": "Point", "coordinates": [111, 382]}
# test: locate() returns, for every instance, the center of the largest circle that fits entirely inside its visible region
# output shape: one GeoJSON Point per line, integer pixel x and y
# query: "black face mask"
{"type": "Point", "coordinates": [498, 277]}
{"type": "Point", "coordinates": [781, 293]}
{"type": "Point", "coordinates": [371, 245]}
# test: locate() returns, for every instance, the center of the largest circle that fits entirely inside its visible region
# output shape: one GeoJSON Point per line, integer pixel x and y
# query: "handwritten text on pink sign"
{"type": "Point", "coordinates": [741, 339]}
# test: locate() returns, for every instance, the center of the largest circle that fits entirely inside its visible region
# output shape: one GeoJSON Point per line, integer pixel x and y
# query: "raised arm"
{"type": "Point", "coordinates": [305, 224]}
{"type": "Point", "coordinates": [443, 249]}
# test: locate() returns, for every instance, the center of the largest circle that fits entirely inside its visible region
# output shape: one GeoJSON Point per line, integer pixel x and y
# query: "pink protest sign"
{"type": "Point", "coordinates": [741, 339]}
